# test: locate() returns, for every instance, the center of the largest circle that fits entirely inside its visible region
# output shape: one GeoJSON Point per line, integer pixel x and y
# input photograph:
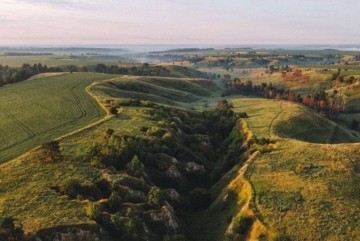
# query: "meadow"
{"type": "Point", "coordinates": [45, 108]}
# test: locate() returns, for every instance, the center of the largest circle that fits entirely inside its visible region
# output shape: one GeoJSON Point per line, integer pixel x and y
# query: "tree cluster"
{"type": "Point", "coordinates": [12, 75]}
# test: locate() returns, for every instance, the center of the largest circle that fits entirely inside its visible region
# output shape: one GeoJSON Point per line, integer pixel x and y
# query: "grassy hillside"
{"type": "Point", "coordinates": [303, 190]}
{"type": "Point", "coordinates": [43, 108]}
{"type": "Point", "coordinates": [273, 176]}
{"type": "Point", "coordinates": [169, 91]}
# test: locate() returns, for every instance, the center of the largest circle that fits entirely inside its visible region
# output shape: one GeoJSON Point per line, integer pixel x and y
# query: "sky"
{"type": "Point", "coordinates": [196, 22]}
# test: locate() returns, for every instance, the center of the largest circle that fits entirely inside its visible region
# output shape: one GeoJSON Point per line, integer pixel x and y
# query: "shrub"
{"type": "Point", "coordinates": [51, 151]}
{"type": "Point", "coordinates": [127, 226]}
{"type": "Point", "coordinates": [115, 200]}
{"type": "Point", "coordinates": [154, 196]}
{"type": "Point", "coordinates": [109, 132]}
{"type": "Point", "coordinates": [243, 115]}
{"type": "Point", "coordinates": [104, 186]}
{"type": "Point", "coordinates": [134, 167]}
{"type": "Point", "coordinates": [155, 131]}
{"type": "Point", "coordinates": [71, 188]}
{"type": "Point", "coordinates": [113, 110]}
{"type": "Point", "coordinates": [94, 212]}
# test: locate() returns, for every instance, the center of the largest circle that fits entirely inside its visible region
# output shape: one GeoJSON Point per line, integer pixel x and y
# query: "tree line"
{"type": "Point", "coordinates": [327, 104]}
{"type": "Point", "coordinates": [10, 75]}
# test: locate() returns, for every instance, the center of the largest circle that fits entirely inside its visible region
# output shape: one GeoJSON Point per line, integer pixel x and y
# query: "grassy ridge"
{"type": "Point", "coordinates": [39, 110]}
{"type": "Point", "coordinates": [167, 91]}
{"type": "Point", "coordinates": [303, 189]}
{"type": "Point", "coordinates": [30, 198]}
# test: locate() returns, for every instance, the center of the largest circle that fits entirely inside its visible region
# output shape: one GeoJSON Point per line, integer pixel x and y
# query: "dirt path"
{"type": "Point", "coordinates": [106, 117]}
{"type": "Point", "coordinates": [270, 130]}
{"type": "Point", "coordinates": [241, 178]}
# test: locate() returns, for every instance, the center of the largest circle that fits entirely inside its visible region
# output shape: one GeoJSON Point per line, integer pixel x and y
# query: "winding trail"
{"type": "Point", "coordinates": [270, 129]}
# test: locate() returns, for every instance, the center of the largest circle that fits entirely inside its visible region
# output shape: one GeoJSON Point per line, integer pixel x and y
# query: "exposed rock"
{"type": "Point", "coordinates": [194, 168]}
{"type": "Point", "coordinates": [177, 119]}
{"type": "Point", "coordinates": [166, 216]}
{"type": "Point", "coordinates": [174, 174]}
{"type": "Point", "coordinates": [173, 195]}
{"type": "Point", "coordinates": [164, 161]}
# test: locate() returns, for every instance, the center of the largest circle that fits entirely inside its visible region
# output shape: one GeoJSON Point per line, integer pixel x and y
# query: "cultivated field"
{"type": "Point", "coordinates": [39, 110]}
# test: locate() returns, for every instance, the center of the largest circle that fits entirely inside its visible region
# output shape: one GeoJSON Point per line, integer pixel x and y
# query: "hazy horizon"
{"type": "Point", "coordinates": [178, 22]}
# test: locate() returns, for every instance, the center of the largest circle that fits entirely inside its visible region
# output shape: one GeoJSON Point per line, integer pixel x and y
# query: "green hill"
{"type": "Point", "coordinates": [44, 108]}
{"type": "Point", "coordinates": [169, 91]}
{"type": "Point", "coordinates": [154, 172]}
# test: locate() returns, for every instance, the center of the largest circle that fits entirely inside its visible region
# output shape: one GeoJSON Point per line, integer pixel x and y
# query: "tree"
{"type": "Point", "coordinates": [135, 167]}
{"type": "Point", "coordinates": [154, 196]}
{"type": "Point", "coordinates": [113, 110]}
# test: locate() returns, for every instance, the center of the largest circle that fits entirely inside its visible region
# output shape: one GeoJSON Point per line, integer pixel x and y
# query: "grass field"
{"type": "Point", "coordinates": [39, 110]}
{"type": "Point", "coordinates": [169, 91]}
{"type": "Point", "coordinates": [57, 60]}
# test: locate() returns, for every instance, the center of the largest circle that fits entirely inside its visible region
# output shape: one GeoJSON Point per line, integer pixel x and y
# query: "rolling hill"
{"type": "Point", "coordinates": [171, 173]}
{"type": "Point", "coordinates": [44, 108]}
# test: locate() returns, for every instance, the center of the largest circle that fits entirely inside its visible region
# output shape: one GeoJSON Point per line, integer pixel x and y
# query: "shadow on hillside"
{"type": "Point", "coordinates": [313, 129]}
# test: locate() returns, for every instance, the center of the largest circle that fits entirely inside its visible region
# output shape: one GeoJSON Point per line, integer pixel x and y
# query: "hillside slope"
{"type": "Point", "coordinates": [43, 108]}
{"type": "Point", "coordinates": [302, 190]}
{"type": "Point", "coordinates": [166, 173]}
{"type": "Point", "coordinates": [169, 91]}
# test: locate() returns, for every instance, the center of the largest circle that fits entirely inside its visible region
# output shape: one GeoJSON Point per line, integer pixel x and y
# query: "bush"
{"type": "Point", "coordinates": [71, 188]}
{"type": "Point", "coordinates": [134, 167]}
{"type": "Point", "coordinates": [115, 201]}
{"type": "Point", "coordinates": [154, 196]}
{"type": "Point", "coordinates": [109, 132]}
{"type": "Point", "coordinates": [199, 198]}
{"type": "Point", "coordinates": [243, 115]}
{"type": "Point", "coordinates": [113, 110]}
{"type": "Point", "coordinates": [51, 151]}
{"type": "Point", "coordinates": [123, 225]}
{"type": "Point", "coordinates": [94, 212]}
